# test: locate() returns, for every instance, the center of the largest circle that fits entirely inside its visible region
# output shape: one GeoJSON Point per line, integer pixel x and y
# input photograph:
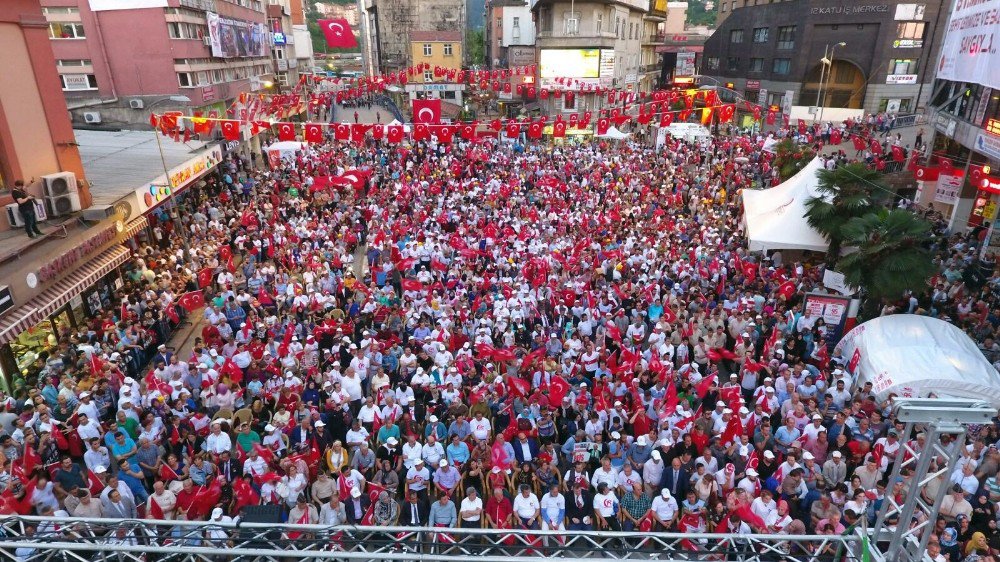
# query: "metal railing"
{"type": "Point", "coordinates": [37, 539]}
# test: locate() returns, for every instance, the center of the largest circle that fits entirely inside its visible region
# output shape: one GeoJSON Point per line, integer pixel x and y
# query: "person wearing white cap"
{"type": "Point", "coordinates": [750, 482]}
{"type": "Point", "coordinates": [664, 511]}
{"type": "Point", "coordinates": [652, 472]}
{"type": "Point", "coordinates": [835, 469]}
{"type": "Point", "coordinates": [218, 530]}
{"type": "Point", "coordinates": [446, 477]}
{"type": "Point", "coordinates": [811, 431]}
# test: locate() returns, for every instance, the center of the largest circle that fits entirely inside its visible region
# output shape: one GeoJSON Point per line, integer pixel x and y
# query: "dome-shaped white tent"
{"type": "Point", "coordinates": [916, 356]}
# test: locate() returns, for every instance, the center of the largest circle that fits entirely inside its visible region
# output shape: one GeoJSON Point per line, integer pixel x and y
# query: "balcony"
{"type": "Point", "coordinates": [656, 39]}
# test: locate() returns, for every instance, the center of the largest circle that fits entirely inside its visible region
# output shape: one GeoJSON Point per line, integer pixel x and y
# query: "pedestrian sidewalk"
{"type": "Point", "coordinates": [344, 114]}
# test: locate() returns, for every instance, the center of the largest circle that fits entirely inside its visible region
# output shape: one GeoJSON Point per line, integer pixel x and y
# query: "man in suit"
{"type": "Point", "coordinates": [525, 449]}
{"type": "Point", "coordinates": [579, 509]}
{"type": "Point", "coordinates": [118, 507]}
{"type": "Point", "coordinates": [414, 512]}
{"type": "Point", "coordinates": [676, 479]}
{"type": "Point", "coordinates": [356, 506]}
{"type": "Point", "coordinates": [301, 438]}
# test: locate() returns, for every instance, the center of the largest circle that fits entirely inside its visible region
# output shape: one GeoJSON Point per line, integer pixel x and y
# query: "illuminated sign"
{"type": "Point", "coordinates": [993, 126]}
{"type": "Point", "coordinates": [570, 63]}
{"type": "Point", "coordinates": [989, 184]}
{"type": "Point", "coordinates": [279, 38]}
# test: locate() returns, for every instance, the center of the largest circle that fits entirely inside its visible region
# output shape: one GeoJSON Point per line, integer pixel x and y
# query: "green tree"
{"type": "Point", "coordinates": [475, 45]}
{"type": "Point", "coordinates": [891, 256]}
{"type": "Point", "coordinates": [790, 158]}
{"type": "Point", "coordinates": [845, 193]}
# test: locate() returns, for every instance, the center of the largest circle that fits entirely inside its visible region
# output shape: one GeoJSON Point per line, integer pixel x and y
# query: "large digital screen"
{"type": "Point", "coordinates": [236, 38]}
{"type": "Point", "coordinates": [570, 63]}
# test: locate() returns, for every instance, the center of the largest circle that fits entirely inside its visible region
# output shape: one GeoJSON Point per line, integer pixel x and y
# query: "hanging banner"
{"type": "Point", "coordinates": [236, 38]}
{"type": "Point", "coordinates": [970, 49]}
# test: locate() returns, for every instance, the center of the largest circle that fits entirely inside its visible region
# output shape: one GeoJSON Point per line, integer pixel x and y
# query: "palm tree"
{"type": "Point", "coordinates": [790, 158]}
{"type": "Point", "coordinates": [846, 192]}
{"type": "Point", "coordinates": [891, 255]}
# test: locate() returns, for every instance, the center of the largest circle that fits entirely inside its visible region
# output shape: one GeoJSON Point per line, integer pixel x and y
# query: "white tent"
{"type": "Point", "coordinates": [915, 356]}
{"type": "Point", "coordinates": [775, 217]}
{"type": "Point", "coordinates": [614, 134]}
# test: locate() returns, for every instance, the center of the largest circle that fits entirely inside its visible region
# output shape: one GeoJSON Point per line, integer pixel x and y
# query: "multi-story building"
{"type": "Point", "coordinates": [301, 37]}
{"type": "Point", "coordinates": [386, 26]}
{"type": "Point", "coordinates": [964, 119]}
{"type": "Point", "coordinates": [116, 63]}
{"type": "Point", "coordinates": [857, 54]}
{"type": "Point", "coordinates": [596, 42]}
{"type": "Point", "coordinates": [283, 43]}
{"type": "Point", "coordinates": [436, 49]}
{"type": "Point", "coordinates": [348, 12]}
{"type": "Point", "coordinates": [509, 34]}
{"type": "Point", "coordinates": [654, 32]}
{"type": "Point", "coordinates": [36, 137]}
{"type": "Point", "coordinates": [682, 47]}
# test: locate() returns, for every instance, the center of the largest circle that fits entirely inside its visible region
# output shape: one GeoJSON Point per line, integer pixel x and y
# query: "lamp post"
{"type": "Point", "coordinates": [178, 216]}
{"type": "Point", "coordinates": [826, 86]}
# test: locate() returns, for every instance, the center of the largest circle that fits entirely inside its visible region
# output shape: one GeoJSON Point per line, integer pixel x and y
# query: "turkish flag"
{"type": "Point", "coordinates": [519, 387]}
{"type": "Point", "coordinates": [852, 365]}
{"type": "Point", "coordinates": [342, 132]}
{"type": "Point", "coordinates": [749, 270]}
{"type": "Point", "coordinates": [469, 131]}
{"type": "Point", "coordinates": [445, 133]}
{"type": "Point", "coordinates": [559, 129]}
{"type": "Point", "coordinates": [191, 301]}
{"type": "Point", "coordinates": [666, 119]}
{"type": "Point", "coordinates": [496, 125]}
{"type": "Point", "coordinates": [230, 369]}
{"type": "Point", "coordinates": [702, 387]}
{"type": "Point", "coordinates": [231, 129]}
{"type": "Point", "coordinates": [513, 129]}
{"type": "Point", "coordinates": [602, 126]}
{"type": "Point", "coordinates": [427, 111]}
{"type": "Point", "coordinates": [835, 136]}
{"type": "Point", "coordinates": [358, 132]}
{"type": "Point", "coordinates": [411, 285]}
{"type": "Point", "coordinates": [378, 131]}
{"type": "Point", "coordinates": [875, 146]}
{"type": "Point", "coordinates": [395, 134]}
{"type": "Point", "coordinates": [787, 289]}
{"type": "Point", "coordinates": [286, 131]}
{"type": "Point", "coordinates": [421, 132]}
{"type": "Point", "coordinates": [338, 33]}
{"type": "Point", "coordinates": [535, 130]}
{"type": "Point", "coordinates": [205, 277]}
{"type": "Point", "coordinates": [802, 127]}
{"type": "Point", "coordinates": [314, 132]}
{"type": "Point", "coordinates": [727, 113]}
{"type": "Point", "coordinates": [924, 173]}
{"type": "Point", "coordinates": [859, 143]}
{"type": "Point", "coordinates": [771, 116]}
{"type": "Point", "coordinates": [558, 389]}
{"type": "Point", "coordinates": [897, 153]}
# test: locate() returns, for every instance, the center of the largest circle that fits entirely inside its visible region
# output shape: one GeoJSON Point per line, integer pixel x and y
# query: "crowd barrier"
{"type": "Point", "coordinates": [34, 539]}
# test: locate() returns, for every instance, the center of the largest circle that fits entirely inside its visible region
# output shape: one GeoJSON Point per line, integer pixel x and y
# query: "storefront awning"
{"type": "Point", "coordinates": [134, 227]}
{"type": "Point", "coordinates": [60, 293]}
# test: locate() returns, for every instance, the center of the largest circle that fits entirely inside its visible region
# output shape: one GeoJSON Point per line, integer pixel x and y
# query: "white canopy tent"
{"type": "Point", "coordinates": [614, 134]}
{"type": "Point", "coordinates": [775, 217]}
{"type": "Point", "coordinates": [915, 356]}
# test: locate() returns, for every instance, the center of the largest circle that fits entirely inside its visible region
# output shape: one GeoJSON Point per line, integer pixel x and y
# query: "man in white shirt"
{"type": "Point", "coordinates": [765, 507]}
{"type": "Point", "coordinates": [480, 427]}
{"type": "Point", "coordinates": [411, 451]}
{"type": "Point", "coordinates": [471, 510]}
{"type": "Point", "coordinates": [605, 475]}
{"type": "Point", "coordinates": [664, 510]}
{"type": "Point", "coordinates": [417, 479]}
{"type": "Point", "coordinates": [606, 508]}
{"type": "Point", "coordinates": [255, 465]}
{"type": "Point", "coordinates": [527, 508]}
{"type": "Point", "coordinates": [88, 428]}
{"type": "Point", "coordinates": [553, 509]}
{"type": "Point", "coordinates": [217, 441]}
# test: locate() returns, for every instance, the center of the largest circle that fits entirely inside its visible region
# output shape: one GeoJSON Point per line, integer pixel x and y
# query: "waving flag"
{"type": "Point", "coordinates": [338, 33]}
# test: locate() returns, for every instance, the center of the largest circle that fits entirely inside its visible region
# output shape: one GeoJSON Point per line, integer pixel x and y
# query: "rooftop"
{"type": "Point", "coordinates": [119, 162]}
{"type": "Point", "coordinates": [432, 36]}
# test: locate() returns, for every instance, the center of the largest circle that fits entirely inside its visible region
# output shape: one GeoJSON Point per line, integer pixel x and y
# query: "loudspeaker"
{"type": "Point", "coordinates": [260, 514]}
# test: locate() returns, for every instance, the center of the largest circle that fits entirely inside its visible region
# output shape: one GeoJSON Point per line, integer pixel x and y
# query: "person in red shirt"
{"type": "Point", "coordinates": [185, 499]}
{"type": "Point", "coordinates": [498, 510]}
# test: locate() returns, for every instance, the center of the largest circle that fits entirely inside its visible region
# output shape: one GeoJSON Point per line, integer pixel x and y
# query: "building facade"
{"type": "Point", "coordinates": [386, 26]}
{"type": "Point", "coordinates": [36, 136]}
{"type": "Point", "coordinates": [883, 53]}
{"type": "Point", "coordinates": [509, 34]}
{"type": "Point", "coordinates": [436, 49]}
{"type": "Point", "coordinates": [596, 43]}
{"type": "Point", "coordinates": [116, 64]}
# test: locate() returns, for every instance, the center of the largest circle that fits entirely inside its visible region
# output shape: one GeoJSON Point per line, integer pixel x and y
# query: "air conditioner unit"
{"type": "Point", "coordinates": [62, 183]}
{"type": "Point", "coordinates": [99, 212]}
{"type": "Point", "coordinates": [91, 117]}
{"type": "Point", "coordinates": [63, 205]}
{"type": "Point", "coordinates": [136, 104]}
{"type": "Point", "coordinates": [207, 41]}
{"type": "Point", "coordinates": [15, 219]}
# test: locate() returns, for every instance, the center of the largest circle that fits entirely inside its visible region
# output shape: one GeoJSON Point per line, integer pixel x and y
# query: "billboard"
{"type": "Point", "coordinates": [968, 53]}
{"type": "Point", "coordinates": [833, 309]}
{"type": "Point", "coordinates": [685, 64]}
{"type": "Point", "coordinates": [569, 63]}
{"type": "Point", "coordinates": [236, 38]}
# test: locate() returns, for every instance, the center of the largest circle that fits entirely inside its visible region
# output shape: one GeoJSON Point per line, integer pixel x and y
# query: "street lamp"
{"type": "Point", "coordinates": [166, 174]}
{"type": "Point", "coordinates": [826, 60]}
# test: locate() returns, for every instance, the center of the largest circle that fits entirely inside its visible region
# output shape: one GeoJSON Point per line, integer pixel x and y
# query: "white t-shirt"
{"type": "Point", "coordinates": [552, 506]}
{"type": "Point", "coordinates": [480, 428]}
{"type": "Point", "coordinates": [471, 505]}
{"type": "Point", "coordinates": [526, 506]}
{"type": "Point", "coordinates": [664, 508]}
{"type": "Point", "coordinates": [605, 504]}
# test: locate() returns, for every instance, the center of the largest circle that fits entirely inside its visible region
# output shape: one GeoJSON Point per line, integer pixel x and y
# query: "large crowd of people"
{"type": "Point", "coordinates": [485, 334]}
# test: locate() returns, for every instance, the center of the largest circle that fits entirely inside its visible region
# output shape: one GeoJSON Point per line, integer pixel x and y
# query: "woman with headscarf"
{"type": "Point", "coordinates": [385, 512]}
{"type": "Point", "coordinates": [976, 548]}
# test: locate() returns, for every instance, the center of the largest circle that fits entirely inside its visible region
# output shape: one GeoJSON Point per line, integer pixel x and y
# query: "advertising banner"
{"type": "Point", "coordinates": [236, 38]}
{"type": "Point", "coordinates": [832, 309]}
{"type": "Point", "coordinates": [970, 49]}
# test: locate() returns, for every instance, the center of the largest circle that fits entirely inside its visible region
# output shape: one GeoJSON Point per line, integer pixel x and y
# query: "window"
{"type": "Point", "coordinates": [182, 30]}
{"type": "Point", "coordinates": [184, 80]}
{"type": "Point", "coordinates": [517, 22]}
{"type": "Point", "coordinates": [902, 66]}
{"type": "Point", "coordinates": [909, 34]}
{"type": "Point", "coordinates": [53, 10]}
{"type": "Point", "coordinates": [428, 76]}
{"type": "Point", "coordinates": [713, 63]}
{"type": "Point", "coordinates": [786, 37]}
{"type": "Point", "coordinates": [756, 65]}
{"type": "Point", "coordinates": [631, 31]}
{"type": "Point", "coordinates": [736, 36]}
{"type": "Point", "coordinates": [193, 79]}
{"type": "Point", "coordinates": [618, 22]}
{"type": "Point", "coordinates": [760, 34]}
{"type": "Point", "coordinates": [447, 49]}
{"type": "Point", "coordinates": [428, 49]}
{"type": "Point", "coordinates": [73, 62]}
{"type": "Point", "coordinates": [71, 82]}
{"type": "Point", "coordinates": [66, 31]}
{"type": "Point", "coordinates": [279, 53]}
{"type": "Point", "coordinates": [569, 103]}
{"type": "Point", "coordinates": [599, 23]}
{"type": "Point", "coordinates": [733, 63]}
{"type": "Point", "coordinates": [782, 66]}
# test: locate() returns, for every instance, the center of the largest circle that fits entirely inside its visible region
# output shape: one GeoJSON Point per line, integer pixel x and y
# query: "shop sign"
{"type": "Point", "coordinates": [992, 126]}
{"type": "Point", "coordinates": [989, 184]}
{"type": "Point", "coordinates": [520, 56]}
{"type": "Point", "coordinates": [6, 300]}
{"type": "Point", "coordinates": [988, 145]}
{"type": "Point", "coordinates": [948, 188]}
{"type": "Point", "coordinates": [208, 94]}
{"type": "Point", "coordinates": [52, 269]}
{"type": "Point", "coordinates": [187, 172]}
{"type": "Point", "coordinates": [753, 84]}
{"type": "Point", "coordinates": [908, 43]}
{"type": "Point", "coordinates": [850, 10]}
{"type": "Point", "coordinates": [901, 79]}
